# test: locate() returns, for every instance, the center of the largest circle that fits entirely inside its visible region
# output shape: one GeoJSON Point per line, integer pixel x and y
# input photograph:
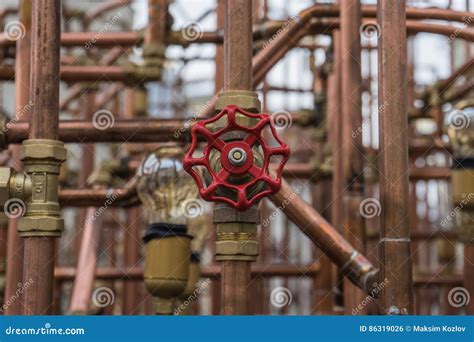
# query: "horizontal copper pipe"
{"type": "Point", "coordinates": [105, 39]}
{"type": "Point", "coordinates": [124, 197]}
{"type": "Point", "coordinates": [123, 130]}
{"type": "Point", "coordinates": [91, 73]}
{"type": "Point", "coordinates": [207, 271]}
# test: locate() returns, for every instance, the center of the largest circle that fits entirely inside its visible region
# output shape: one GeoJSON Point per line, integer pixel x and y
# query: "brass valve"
{"type": "Point", "coordinates": [13, 186]}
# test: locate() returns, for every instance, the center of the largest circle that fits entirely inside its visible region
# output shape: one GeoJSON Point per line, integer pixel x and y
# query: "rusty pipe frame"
{"type": "Point", "coordinates": [71, 39]}
{"type": "Point", "coordinates": [395, 243]}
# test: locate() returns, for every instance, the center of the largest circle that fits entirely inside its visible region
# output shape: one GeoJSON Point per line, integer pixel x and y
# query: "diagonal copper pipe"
{"type": "Point", "coordinates": [353, 264]}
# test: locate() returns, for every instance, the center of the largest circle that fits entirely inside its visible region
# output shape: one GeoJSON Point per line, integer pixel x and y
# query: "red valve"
{"type": "Point", "coordinates": [239, 172]}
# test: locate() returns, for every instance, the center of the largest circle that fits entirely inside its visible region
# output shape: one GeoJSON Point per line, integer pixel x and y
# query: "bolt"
{"type": "Point", "coordinates": [237, 156]}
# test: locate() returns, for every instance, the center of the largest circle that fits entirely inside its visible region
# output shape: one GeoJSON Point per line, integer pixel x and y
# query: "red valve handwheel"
{"type": "Point", "coordinates": [236, 158]}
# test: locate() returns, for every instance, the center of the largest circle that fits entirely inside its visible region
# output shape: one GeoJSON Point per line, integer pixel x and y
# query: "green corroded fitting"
{"type": "Point", "coordinates": [42, 159]}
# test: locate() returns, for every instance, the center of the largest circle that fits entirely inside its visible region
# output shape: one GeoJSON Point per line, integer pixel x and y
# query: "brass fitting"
{"type": "Point", "coordinates": [236, 233]}
{"type": "Point", "coordinates": [42, 159]}
{"type": "Point", "coordinates": [140, 101]}
{"type": "Point", "coordinates": [247, 100]}
{"type": "Point", "coordinates": [13, 185]}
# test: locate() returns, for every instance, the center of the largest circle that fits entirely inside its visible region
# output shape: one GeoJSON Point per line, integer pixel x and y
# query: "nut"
{"type": "Point", "coordinates": [42, 149]}
{"type": "Point", "coordinates": [247, 100]}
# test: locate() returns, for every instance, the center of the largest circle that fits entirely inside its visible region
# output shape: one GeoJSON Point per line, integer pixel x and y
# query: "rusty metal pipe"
{"type": "Point", "coordinates": [395, 254]}
{"type": "Point", "coordinates": [44, 93]}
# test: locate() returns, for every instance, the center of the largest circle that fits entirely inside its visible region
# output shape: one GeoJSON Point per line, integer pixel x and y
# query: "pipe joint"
{"type": "Point", "coordinates": [42, 159]}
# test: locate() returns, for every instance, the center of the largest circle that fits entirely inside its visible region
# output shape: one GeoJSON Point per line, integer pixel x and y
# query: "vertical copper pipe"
{"type": "Point", "coordinates": [218, 87]}
{"type": "Point", "coordinates": [44, 93]}
{"type": "Point", "coordinates": [235, 275]}
{"type": "Point", "coordinates": [396, 261]}
{"type": "Point", "coordinates": [14, 264]}
{"type": "Point", "coordinates": [235, 279]}
{"type": "Point", "coordinates": [352, 157]}
{"type": "Point", "coordinates": [131, 258]}
{"type": "Point", "coordinates": [87, 262]}
{"type": "Point", "coordinates": [155, 32]}
{"type": "Point", "coordinates": [334, 111]}
{"type": "Point", "coordinates": [238, 45]}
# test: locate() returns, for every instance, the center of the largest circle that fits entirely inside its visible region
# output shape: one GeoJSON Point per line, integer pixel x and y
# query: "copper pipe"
{"type": "Point", "coordinates": [396, 262]}
{"type": "Point", "coordinates": [99, 197]}
{"type": "Point", "coordinates": [352, 263]}
{"type": "Point", "coordinates": [238, 75]}
{"type": "Point", "coordinates": [155, 31]}
{"type": "Point", "coordinates": [44, 93]}
{"type": "Point", "coordinates": [212, 271]}
{"type": "Point", "coordinates": [352, 165]}
{"type": "Point", "coordinates": [74, 73]}
{"type": "Point", "coordinates": [15, 246]}
{"type": "Point", "coordinates": [87, 262]}
{"type": "Point", "coordinates": [131, 258]}
{"type": "Point", "coordinates": [124, 130]}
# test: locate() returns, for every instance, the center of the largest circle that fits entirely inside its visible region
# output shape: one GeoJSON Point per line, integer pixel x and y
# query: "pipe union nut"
{"type": "Point", "coordinates": [40, 226]}
{"type": "Point", "coordinates": [237, 250]}
{"type": "Point", "coordinates": [43, 149]}
{"type": "Point", "coordinates": [247, 100]}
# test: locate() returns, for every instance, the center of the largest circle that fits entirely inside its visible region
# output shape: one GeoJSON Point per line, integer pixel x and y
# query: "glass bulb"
{"type": "Point", "coordinates": [461, 132]}
{"type": "Point", "coordinates": [163, 185]}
